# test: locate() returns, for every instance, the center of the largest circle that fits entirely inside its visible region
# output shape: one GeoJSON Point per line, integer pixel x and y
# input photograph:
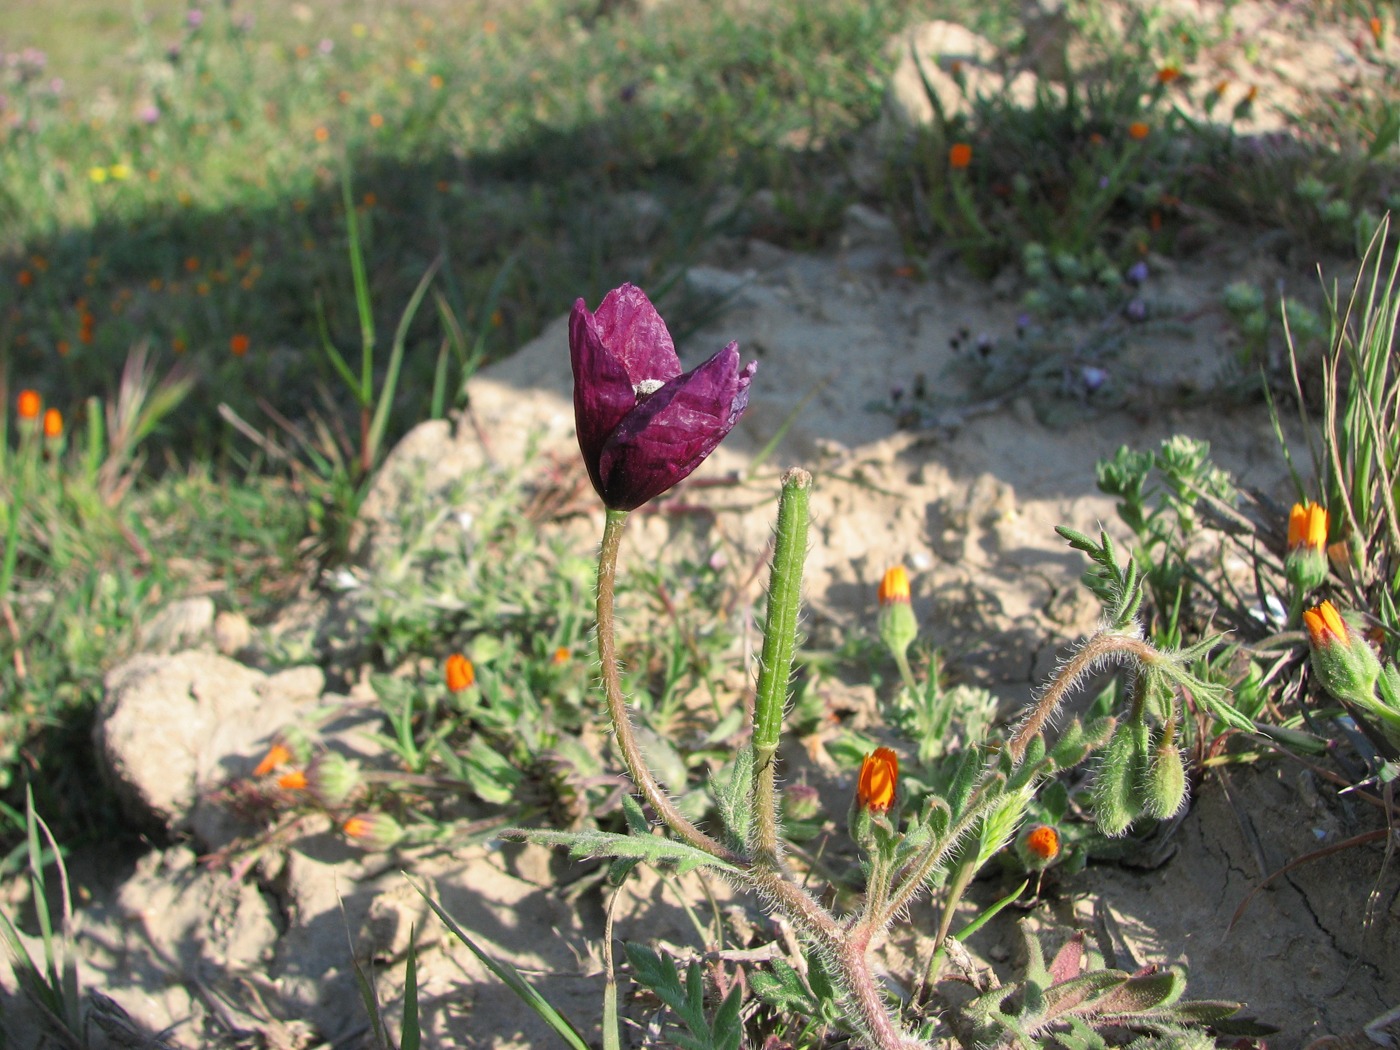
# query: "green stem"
{"type": "Point", "coordinates": [779, 645]}
{"type": "Point", "coordinates": [632, 756]}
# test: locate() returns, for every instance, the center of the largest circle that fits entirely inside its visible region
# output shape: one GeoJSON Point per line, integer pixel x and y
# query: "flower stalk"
{"type": "Point", "coordinates": [779, 645]}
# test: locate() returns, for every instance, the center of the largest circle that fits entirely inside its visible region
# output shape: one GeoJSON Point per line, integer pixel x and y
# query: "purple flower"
{"type": "Point", "coordinates": [1136, 310]}
{"type": "Point", "coordinates": [1137, 273]}
{"type": "Point", "coordinates": [642, 425]}
{"type": "Point", "coordinates": [149, 114]}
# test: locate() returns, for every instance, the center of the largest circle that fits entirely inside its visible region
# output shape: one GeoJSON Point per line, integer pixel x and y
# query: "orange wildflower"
{"type": "Point", "coordinates": [1138, 131]}
{"type": "Point", "coordinates": [322, 134]}
{"type": "Point", "coordinates": [879, 776]}
{"type": "Point", "coordinates": [293, 781]}
{"type": "Point", "coordinates": [1043, 841]}
{"type": "Point", "coordinates": [1377, 29]}
{"type": "Point", "coordinates": [1167, 74]}
{"type": "Point", "coordinates": [459, 672]}
{"type": "Point", "coordinates": [561, 655]}
{"type": "Point", "coordinates": [53, 423]}
{"type": "Point", "coordinates": [1325, 626]}
{"type": "Point", "coordinates": [894, 586]}
{"type": "Point", "coordinates": [959, 156]}
{"type": "Point", "coordinates": [238, 344]}
{"type": "Point", "coordinates": [25, 278]}
{"type": "Point", "coordinates": [277, 755]}
{"type": "Point", "coordinates": [1307, 527]}
{"type": "Point", "coordinates": [28, 404]}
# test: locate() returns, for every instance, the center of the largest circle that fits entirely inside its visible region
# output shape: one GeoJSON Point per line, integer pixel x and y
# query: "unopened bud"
{"type": "Point", "coordinates": [1165, 784]}
{"type": "Point", "coordinates": [1115, 796]}
{"type": "Point", "coordinates": [332, 779]}
{"type": "Point", "coordinates": [1038, 846]}
{"type": "Point", "coordinates": [1305, 565]}
{"type": "Point", "coordinates": [898, 627]}
{"type": "Point", "coordinates": [1341, 658]}
{"type": "Point", "coordinates": [373, 831]}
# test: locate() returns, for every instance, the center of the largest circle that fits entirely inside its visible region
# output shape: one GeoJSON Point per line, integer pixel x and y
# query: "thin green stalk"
{"type": "Point", "coordinates": [632, 756]}
{"type": "Point", "coordinates": [779, 644]}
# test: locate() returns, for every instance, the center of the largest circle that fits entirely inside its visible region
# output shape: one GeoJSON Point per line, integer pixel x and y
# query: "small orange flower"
{"type": "Point", "coordinates": [1377, 30]}
{"type": "Point", "coordinates": [1043, 841]}
{"type": "Point", "coordinates": [370, 200]}
{"type": "Point", "coordinates": [1167, 74]}
{"type": "Point", "coordinates": [561, 655]}
{"type": "Point", "coordinates": [959, 156]}
{"type": "Point", "coordinates": [435, 82]}
{"type": "Point", "coordinates": [1307, 527]}
{"type": "Point", "coordinates": [1325, 626]}
{"type": "Point", "coordinates": [1138, 131]}
{"type": "Point", "coordinates": [376, 120]}
{"type": "Point", "coordinates": [178, 345]}
{"type": "Point", "coordinates": [62, 347]}
{"type": "Point", "coordinates": [25, 278]}
{"type": "Point", "coordinates": [459, 672]}
{"type": "Point", "coordinates": [28, 404]}
{"type": "Point", "coordinates": [894, 586]}
{"type": "Point", "coordinates": [53, 423]}
{"type": "Point", "coordinates": [238, 344]}
{"type": "Point", "coordinates": [293, 781]}
{"type": "Point", "coordinates": [277, 755]}
{"type": "Point", "coordinates": [1252, 93]}
{"type": "Point", "coordinates": [879, 776]}
{"type": "Point", "coordinates": [322, 134]}
{"type": "Point", "coordinates": [192, 264]}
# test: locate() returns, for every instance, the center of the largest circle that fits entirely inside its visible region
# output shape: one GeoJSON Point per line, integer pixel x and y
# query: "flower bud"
{"type": "Point", "coordinates": [277, 755]}
{"type": "Point", "coordinates": [1341, 659]}
{"type": "Point", "coordinates": [879, 777]}
{"type": "Point", "coordinates": [1115, 797]}
{"type": "Point", "coordinates": [1165, 785]}
{"type": "Point", "coordinates": [373, 831]}
{"type": "Point", "coordinates": [332, 779]}
{"type": "Point", "coordinates": [1038, 846]}
{"type": "Point", "coordinates": [801, 802]}
{"type": "Point", "coordinates": [898, 628]}
{"type": "Point", "coordinates": [1305, 565]}
{"type": "Point", "coordinates": [459, 673]}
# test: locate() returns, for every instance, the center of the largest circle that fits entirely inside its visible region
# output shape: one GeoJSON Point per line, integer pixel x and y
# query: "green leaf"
{"type": "Point", "coordinates": [510, 976]}
{"type": "Point", "coordinates": [651, 848]}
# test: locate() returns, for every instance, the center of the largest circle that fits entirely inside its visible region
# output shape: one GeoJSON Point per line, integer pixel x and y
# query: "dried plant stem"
{"type": "Point", "coordinates": [632, 756]}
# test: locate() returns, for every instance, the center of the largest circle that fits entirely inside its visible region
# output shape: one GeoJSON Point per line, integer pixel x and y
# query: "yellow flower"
{"type": "Point", "coordinates": [879, 776]}
{"type": "Point", "coordinates": [97, 174]}
{"type": "Point", "coordinates": [120, 171]}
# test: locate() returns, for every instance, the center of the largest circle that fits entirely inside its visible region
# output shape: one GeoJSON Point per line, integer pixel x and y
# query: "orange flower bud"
{"type": "Point", "coordinates": [879, 776]}
{"type": "Point", "coordinates": [1138, 131]}
{"type": "Point", "coordinates": [238, 344]}
{"type": "Point", "coordinates": [28, 404]}
{"type": "Point", "coordinates": [53, 423]}
{"type": "Point", "coordinates": [561, 655]}
{"type": "Point", "coordinates": [1343, 661]}
{"type": "Point", "coordinates": [1307, 526]}
{"type": "Point", "coordinates": [1167, 74]}
{"type": "Point", "coordinates": [293, 781]}
{"type": "Point", "coordinates": [459, 672]}
{"type": "Point", "coordinates": [894, 586]}
{"type": "Point", "coordinates": [1043, 841]}
{"type": "Point", "coordinates": [959, 155]}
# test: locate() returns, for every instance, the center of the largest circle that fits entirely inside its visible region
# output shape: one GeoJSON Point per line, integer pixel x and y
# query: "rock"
{"type": "Point", "coordinates": [232, 633]}
{"type": "Point", "coordinates": [172, 728]}
{"type": "Point", "coordinates": [943, 67]}
{"type": "Point", "coordinates": [185, 624]}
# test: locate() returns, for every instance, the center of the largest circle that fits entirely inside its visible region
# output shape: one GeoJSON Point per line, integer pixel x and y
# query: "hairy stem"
{"type": "Point", "coordinates": [632, 756]}
{"type": "Point", "coordinates": [1100, 646]}
{"type": "Point", "coordinates": [779, 644]}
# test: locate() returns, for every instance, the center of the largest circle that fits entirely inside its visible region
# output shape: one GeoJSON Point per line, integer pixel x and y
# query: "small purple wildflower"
{"type": "Point", "coordinates": [149, 114]}
{"type": "Point", "coordinates": [1137, 273]}
{"type": "Point", "coordinates": [1135, 311]}
{"type": "Point", "coordinates": [195, 18]}
{"type": "Point", "coordinates": [326, 46]}
{"type": "Point", "coordinates": [1093, 377]}
{"type": "Point", "coordinates": [643, 425]}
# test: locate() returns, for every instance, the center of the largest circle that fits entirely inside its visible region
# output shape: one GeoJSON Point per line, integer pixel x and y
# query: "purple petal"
{"type": "Point", "coordinates": [603, 393]}
{"type": "Point", "coordinates": [634, 333]}
{"type": "Point", "coordinates": [671, 432]}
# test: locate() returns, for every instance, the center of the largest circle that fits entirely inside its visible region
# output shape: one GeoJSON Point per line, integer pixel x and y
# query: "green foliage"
{"type": "Point", "coordinates": [658, 974]}
{"type": "Point", "coordinates": [1067, 1002]}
